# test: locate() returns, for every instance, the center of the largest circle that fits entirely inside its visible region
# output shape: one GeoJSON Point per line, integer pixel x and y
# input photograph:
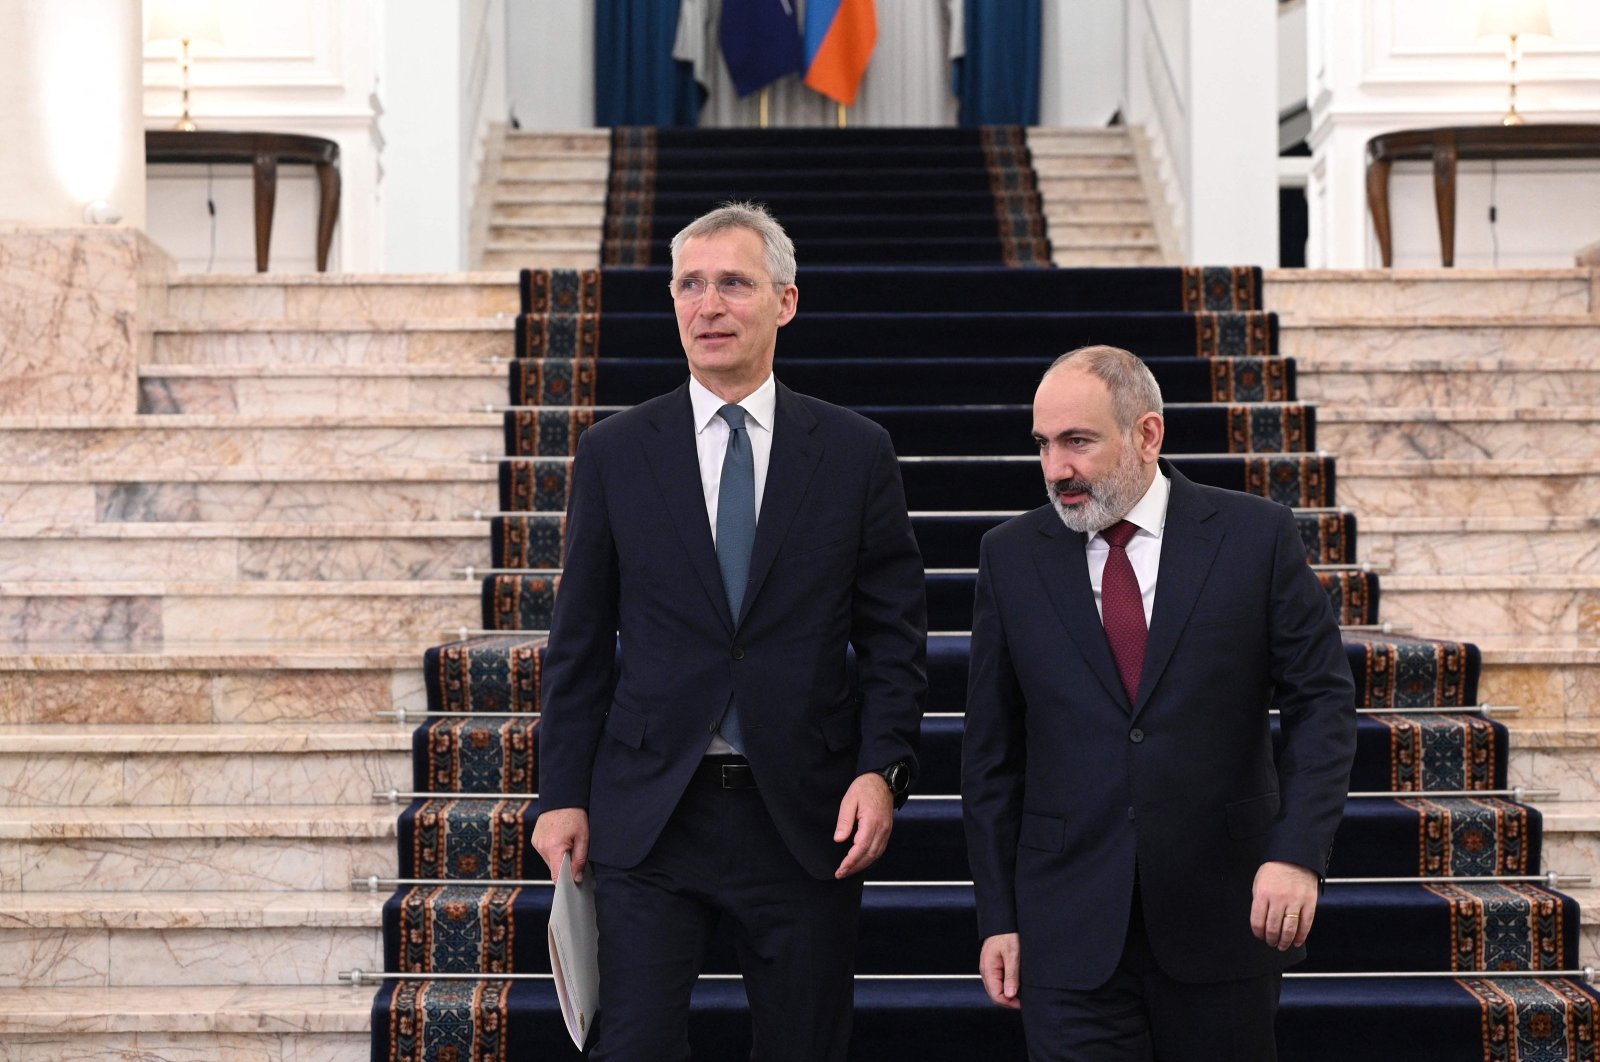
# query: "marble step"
{"type": "Point", "coordinates": [536, 142]}
{"type": "Point", "coordinates": [284, 848]}
{"type": "Point", "coordinates": [1432, 433]}
{"type": "Point", "coordinates": [591, 166]}
{"type": "Point", "coordinates": [548, 190]}
{"type": "Point", "coordinates": [241, 551]}
{"type": "Point", "coordinates": [208, 683]}
{"type": "Point", "coordinates": [1133, 210]}
{"type": "Point", "coordinates": [1479, 545]}
{"type": "Point", "coordinates": [565, 256]}
{"type": "Point", "coordinates": [221, 1023]}
{"type": "Point", "coordinates": [324, 296]}
{"type": "Point", "coordinates": [1324, 294]}
{"type": "Point", "coordinates": [1571, 836]}
{"type": "Point", "coordinates": [1529, 337]}
{"type": "Point", "coordinates": [1472, 607]}
{"type": "Point", "coordinates": [1555, 757]}
{"type": "Point", "coordinates": [253, 613]}
{"type": "Point", "coordinates": [185, 765]}
{"type": "Point", "coordinates": [393, 340]}
{"type": "Point", "coordinates": [1049, 164]}
{"type": "Point", "coordinates": [1071, 234]}
{"type": "Point", "coordinates": [579, 210]}
{"type": "Point", "coordinates": [1108, 186]}
{"type": "Point", "coordinates": [188, 939]}
{"type": "Point", "coordinates": [393, 438]}
{"type": "Point", "coordinates": [282, 389]}
{"type": "Point", "coordinates": [538, 232]}
{"type": "Point", "coordinates": [1107, 254]}
{"type": "Point", "coordinates": [1554, 679]}
{"type": "Point", "coordinates": [1436, 382]}
{"type": "Point", "coordinates": [1410, 486]}
{"type": "Point", "coordinates": [323, 493]}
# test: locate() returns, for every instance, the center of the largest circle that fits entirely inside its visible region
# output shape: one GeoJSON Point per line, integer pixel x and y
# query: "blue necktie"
{"type": "Point", "coordinates": [736, 533]}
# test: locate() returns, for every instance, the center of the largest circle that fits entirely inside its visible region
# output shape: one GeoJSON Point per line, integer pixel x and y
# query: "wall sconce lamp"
{"type": "Point", "coordinates": [1513, 19]}
{"type": "Point", "coordinates": [185, 21]}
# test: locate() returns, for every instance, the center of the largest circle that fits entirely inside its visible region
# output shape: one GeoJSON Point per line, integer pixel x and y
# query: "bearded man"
{"type": "Point", "coordinates": [1145, 866]}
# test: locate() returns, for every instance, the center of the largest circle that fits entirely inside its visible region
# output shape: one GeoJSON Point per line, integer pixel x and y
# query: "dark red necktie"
{"type": "Point", "coordinates": [1122, 607]}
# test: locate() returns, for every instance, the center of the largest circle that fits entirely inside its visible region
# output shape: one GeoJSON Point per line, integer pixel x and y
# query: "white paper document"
{"type": "Point", "coordinates": [575, 951]}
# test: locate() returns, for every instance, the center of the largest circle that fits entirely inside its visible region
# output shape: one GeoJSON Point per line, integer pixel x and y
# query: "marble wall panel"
{"type": "Point", "coordinates": [54, 957]}
{"type": "Point", "coordinates": [56, 780]}
{"type": "Point", "coordinates": [301, 778]}
{"type": "Point", "coordinates": [1385, 294]}
{"type": "Point", "coordinates": [73, 305]}
{"type": "Point", "coordinates": [188, 864]}
{"type": "Point", "coordinates": [91, 618]}
{"type": "Point", "coordinates": [104, 697]}
{"type": "Point", "coordinates": [322, 618]}
{"type": "Point", "coordinates": [327, 696]}
{"type": "Point", "coordinates": [232, 957]}
{"type": "Point", "coordinates": [338, 558]}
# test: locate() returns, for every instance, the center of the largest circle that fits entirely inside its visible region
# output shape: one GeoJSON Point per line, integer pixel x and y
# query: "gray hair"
{"type": "Point", "coordinates": [1133, 388]}
{"type": "Point", "coordinates": [777, 248]}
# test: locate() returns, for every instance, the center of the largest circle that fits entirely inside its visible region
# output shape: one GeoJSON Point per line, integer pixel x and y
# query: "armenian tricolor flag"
{"type": "Point", "coordinates": [840, 36]}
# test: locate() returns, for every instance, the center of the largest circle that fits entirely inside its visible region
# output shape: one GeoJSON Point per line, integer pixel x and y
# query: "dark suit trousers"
{"type": "Point", "coordinates": [1142, 1014]}
{"type": "Point", "coordinates": [721, 858]}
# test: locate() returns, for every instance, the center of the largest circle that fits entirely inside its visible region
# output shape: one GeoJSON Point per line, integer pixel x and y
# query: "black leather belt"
{"type": "Point", "coordinates": [725, 772]}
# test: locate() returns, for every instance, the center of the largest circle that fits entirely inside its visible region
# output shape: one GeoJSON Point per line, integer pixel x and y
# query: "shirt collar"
{"type": "Point", "coordinates": [1149, 515]}
{"type": "Point", "coordinates": [759, 405]}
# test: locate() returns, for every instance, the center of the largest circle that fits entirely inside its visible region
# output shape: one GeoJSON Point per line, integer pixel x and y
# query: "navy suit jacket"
{"type": "Point", "coordinates": [644, 656]}
{"type": "Point", "coordinates": [1067, 786]}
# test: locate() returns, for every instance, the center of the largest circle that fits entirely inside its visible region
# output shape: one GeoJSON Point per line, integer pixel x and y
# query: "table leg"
{"type": "Point", "coordinates": [1378, 204]}
{"type": "Point", "coordinates": [327, 211]}
{"type": "Point", "coordinates": [1444, 196]}
{"type": "Point", "coordinates": [266, 187]}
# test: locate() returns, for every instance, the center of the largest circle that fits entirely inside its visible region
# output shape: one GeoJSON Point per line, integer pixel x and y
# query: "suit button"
{"type": "Point", "coordinates": [738, 653]}
{"type": "Point", "coordinates": [1131, 815]}
{"type": "Point", "coordinates": [711, 727]}
{"type": "Point", "coordinates": [1136, 735]}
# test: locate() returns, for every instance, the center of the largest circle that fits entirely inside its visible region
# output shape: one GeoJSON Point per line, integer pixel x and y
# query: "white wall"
{"type": "Point", "coordinates": [1082, 65]}
{"type": "Point", "coordinates": [550, 68]}
{"type": "Point", "coordinates": [1381, 65]}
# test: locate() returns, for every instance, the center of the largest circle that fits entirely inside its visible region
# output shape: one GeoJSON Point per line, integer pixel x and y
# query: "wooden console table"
{"type": "Point", "coordinates": [1444, 146]}
{"type": "Point", "coordinates": [263, 151]}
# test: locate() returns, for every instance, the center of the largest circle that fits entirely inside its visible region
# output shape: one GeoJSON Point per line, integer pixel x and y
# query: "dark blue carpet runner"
{"type": "Point", "coordinates": [947, 356]}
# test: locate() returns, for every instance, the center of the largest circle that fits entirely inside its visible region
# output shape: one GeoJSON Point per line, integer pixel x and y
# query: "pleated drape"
{"type": "Point", "coordinates": [997, 80]}
{"type": "Point", "coordinates": [636, 79]}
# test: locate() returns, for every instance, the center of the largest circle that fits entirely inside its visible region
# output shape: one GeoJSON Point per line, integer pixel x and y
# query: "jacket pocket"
{"type": "Point", "coordinates": [1044, 832]}
{"type": "Point", "coordinates": [1252, 817]}
{"type": "Point", "coordinates": [625, 725]}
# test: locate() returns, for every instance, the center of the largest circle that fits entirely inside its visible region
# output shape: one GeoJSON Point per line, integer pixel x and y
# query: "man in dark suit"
{"type": "Point", "coordinates": [1144, 867]}
{"type": "Point", "coordinates": [707, 748]}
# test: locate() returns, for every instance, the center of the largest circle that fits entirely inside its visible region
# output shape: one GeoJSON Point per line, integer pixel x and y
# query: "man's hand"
{"type": "Point", "coordinates": [558, 832]}
{"type": "Point", "coordinates": [868, 809]}
{"type": "Point", "coordinates": [1000, 963]}
{"type": "Point", "coordinates": [1285, 904]}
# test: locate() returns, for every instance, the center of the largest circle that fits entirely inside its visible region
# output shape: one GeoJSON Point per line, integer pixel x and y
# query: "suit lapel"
{"type": "Point", "coordinates": [1188, 548]}
{"type": "Point", "coordinates": [1064, 572]}
{"type": "Point", "coordinates": [794, 457]}
{"type": "Point", "coordinates": [675, 464]}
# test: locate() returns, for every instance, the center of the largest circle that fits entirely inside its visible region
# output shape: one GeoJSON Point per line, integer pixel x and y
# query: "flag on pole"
{"type": "Point", "coordinates": [840, 36]}
{"type": "Point", "coordinates": [761, 42]}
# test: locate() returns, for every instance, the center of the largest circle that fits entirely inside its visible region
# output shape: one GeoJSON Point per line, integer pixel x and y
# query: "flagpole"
{"type": "Point", "coordinates": [766, 95]}
{"type": "Point", "coordinates": [841, 116]}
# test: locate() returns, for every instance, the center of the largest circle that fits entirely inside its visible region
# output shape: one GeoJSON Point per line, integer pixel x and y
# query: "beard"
{"type": "Point", "coordinates": [1107, 501]}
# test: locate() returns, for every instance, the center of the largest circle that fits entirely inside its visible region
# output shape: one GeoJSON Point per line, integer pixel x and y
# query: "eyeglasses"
{"type": "Point", "coordinates": [732, 287]}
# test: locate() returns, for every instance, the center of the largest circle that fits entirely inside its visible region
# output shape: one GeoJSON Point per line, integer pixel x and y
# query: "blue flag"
{"type": "Point", "coordinates": [761, 42]}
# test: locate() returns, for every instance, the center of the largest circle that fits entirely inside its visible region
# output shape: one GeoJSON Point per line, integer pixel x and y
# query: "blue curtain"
{"type": "Point", "coordinates": [636, 80]}
{"type": "Point", "coordinates": [997, 81]}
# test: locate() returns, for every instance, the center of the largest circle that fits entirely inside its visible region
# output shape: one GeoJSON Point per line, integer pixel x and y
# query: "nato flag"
{"type": "Point", "coordinates": [761, 42]}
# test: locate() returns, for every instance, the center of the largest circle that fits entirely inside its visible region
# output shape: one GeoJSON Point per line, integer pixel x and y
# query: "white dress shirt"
{"type": "Point", "coordinates": [711, 438]}
{"type": "Point", "coordinates": [1144, 548]}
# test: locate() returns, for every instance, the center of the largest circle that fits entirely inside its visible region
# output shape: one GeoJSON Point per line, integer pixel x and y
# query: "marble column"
{"type": "Point", "coordinates": [76, 299]}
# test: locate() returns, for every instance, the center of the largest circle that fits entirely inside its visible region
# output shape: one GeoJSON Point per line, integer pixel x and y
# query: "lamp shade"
{"type": "Point", "coordinates": [184, 20]}
{"type": "Point", "coordinates": [1514, 18]}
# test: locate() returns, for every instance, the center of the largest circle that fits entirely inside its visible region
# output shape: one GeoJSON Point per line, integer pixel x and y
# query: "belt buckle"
{"type": "Point", "coordinates": [731, 779]}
